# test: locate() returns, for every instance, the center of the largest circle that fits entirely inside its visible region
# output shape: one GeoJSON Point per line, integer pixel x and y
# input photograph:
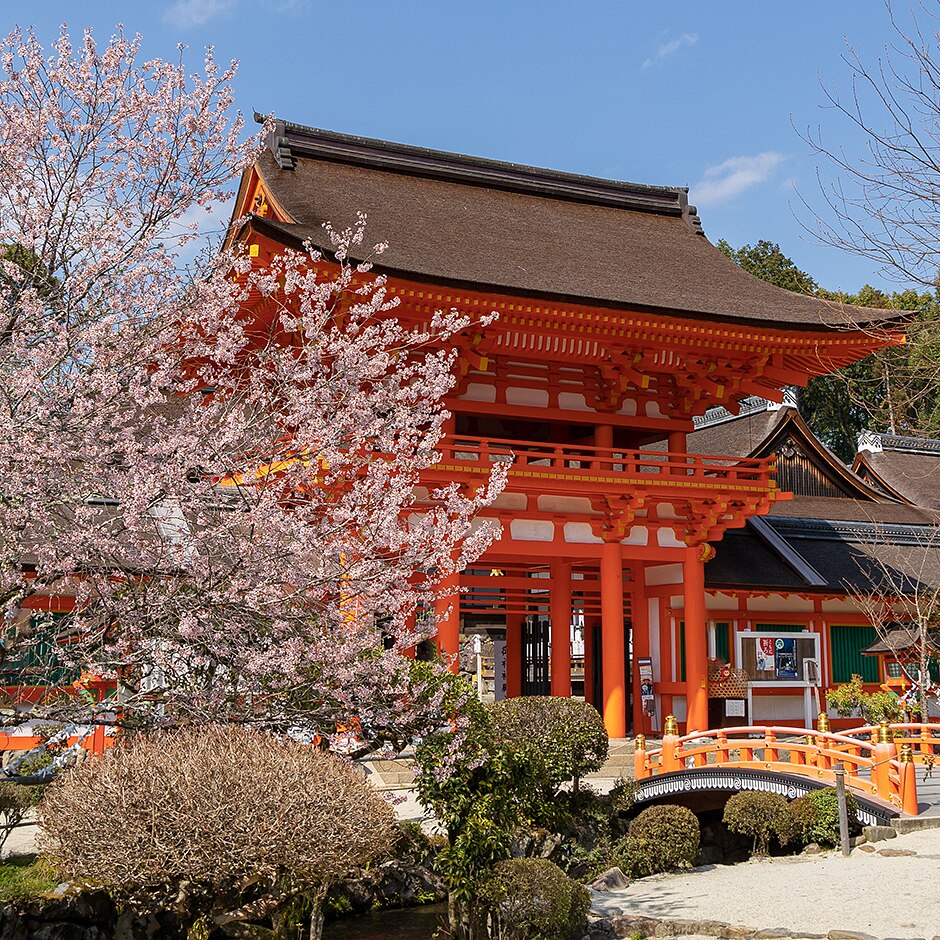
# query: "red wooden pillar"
{"type": "Point", "coordinates": [614, 710]}
{"type": "Point", "coordinates": [514, 655]}
{"type": "Point", "coordinates": [639, 608]}
{"type": "Point", "coordinates": [696, 640]}
{"type": "Point", "coordinates": [560, 613]}
{"type": "Point", "coordinates": [677, 442]}
{"type": "Point", "coordinates": [447, 619]}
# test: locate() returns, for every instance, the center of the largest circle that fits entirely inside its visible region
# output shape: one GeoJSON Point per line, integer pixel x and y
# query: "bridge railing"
{"type": "Point", "coordinates": [874, 768]}
{"type": "Point", "coordinates": [923, 738]}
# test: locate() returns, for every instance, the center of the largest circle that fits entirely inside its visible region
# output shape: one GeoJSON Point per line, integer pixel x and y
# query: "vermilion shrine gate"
{"type": "Point", "coordinates": [618, 324]}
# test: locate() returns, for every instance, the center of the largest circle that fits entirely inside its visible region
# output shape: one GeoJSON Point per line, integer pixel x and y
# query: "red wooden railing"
{"type": "Point", "coordinates": [922, 738]}
{"type": "Point", "coordinates": [580, 459]}
{"type": "Point", "coordinates": [872, 767]}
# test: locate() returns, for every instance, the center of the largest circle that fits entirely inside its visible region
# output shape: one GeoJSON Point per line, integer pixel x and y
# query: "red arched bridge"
{"type": "Point", "coordinates": [879, 763]}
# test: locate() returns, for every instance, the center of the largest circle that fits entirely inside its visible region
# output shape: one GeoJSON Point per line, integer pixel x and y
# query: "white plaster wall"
{"type": "Point", "coordinates": [721, 602]}
{"type": "Point", "coordinates": [572, 401]}
{"type": "Point", "coordinates": [477, 391]}
{"type": "Point", "coordinates": [778, 708]}
{"type": "Point", "coordinates": [653, 606]}
{"type": "Point", "coordinates": [565, 504]}
{"type": "Point", "coordinates": [532, 530]}
{"type": "Point", "coordinates": [666, 538]}
{"type": "Point", "coordinates": [533, 397]}
{"type": "Point", "coordinates": [627, 408]}
{"type": "Point", "coordinates": [663, 574]}
{"type": "Point", "coordinates": [778, 602]}
{"type": "Point", "coordinates": [510, 501]}
{"type": "Point", "coordinates": [581, 533]}
{"type": "Point", "coordinates": [639, 535]}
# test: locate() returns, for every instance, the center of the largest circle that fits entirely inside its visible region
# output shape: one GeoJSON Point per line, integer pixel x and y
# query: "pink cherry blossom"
{"type": "Point", "coordinates": [219, 463]}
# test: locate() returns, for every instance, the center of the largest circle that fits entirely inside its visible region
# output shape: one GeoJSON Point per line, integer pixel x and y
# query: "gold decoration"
{"type": "Point", "coordinates": [907, 754]}
{"type": "Point", "coordinates": [822, 722]}
{"type": "Point", "coordinates": [884, 733]}
{"type": "Point", "coordinates": [640, 743]}
{"type": "Point", "coordinates": [672, 726]}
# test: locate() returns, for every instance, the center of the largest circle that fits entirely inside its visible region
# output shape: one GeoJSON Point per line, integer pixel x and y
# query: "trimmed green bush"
{"type": "Point", "coordinates": [816, 816]}
{"type": "Point", "coordinates": [760, 816]}
{"type": "Point", "coordinates": [661, 838]}
{"type": "Point", "coordinates": [562, 738]}
{"type": "Point", "coordinates": [528, 898]}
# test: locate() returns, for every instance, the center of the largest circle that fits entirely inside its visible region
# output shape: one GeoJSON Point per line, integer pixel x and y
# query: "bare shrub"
{"type": "Point", "coordinates": [231, 824]}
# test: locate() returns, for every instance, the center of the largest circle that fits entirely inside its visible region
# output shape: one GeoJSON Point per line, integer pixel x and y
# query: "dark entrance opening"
{"type": "Point", "coordinates": [535, 656]}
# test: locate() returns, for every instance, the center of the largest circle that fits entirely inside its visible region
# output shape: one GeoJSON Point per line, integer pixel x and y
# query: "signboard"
{"type": "Point", "coordinates": [785, 658]}
{"type": "Point", "coordinates": [499, 670]}
{"type": "Point", "coordinates": [645, 668]}
{"type": "Point", "coordinates": [734, 707]}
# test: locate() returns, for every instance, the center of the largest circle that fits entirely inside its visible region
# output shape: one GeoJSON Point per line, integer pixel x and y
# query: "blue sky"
{"type": "Point", "coordinates": [675, 93]}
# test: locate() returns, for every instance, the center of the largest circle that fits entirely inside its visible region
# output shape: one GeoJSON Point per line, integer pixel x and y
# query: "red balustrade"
{"type": "Point", "coordinates": [579, 460]}
{"type": "Point", "coordinates": [875, 768]}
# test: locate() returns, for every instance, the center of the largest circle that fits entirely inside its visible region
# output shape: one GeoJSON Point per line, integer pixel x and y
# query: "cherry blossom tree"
{"type": "Point", "coordinates": [220, 462]}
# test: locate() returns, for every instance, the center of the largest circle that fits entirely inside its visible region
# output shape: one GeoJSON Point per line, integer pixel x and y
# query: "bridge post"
{"type": "Point", "coordinates": [560, 620]}
{"type": "Point", "coordinates": [640, 770]}
{"type": "Point", "coordinates": [770, 747]}
{"type": "Point", "coordinates": [721, 753]}
{"type": "Point", "coordinates": [696, 643]}
{"type": "Point", "coordinates": [823, 761]}
{"type": "Point", "coordinates": [671, 759]}
{"type": "Point", "coordinates": [885, 752]}
{"type": "Point", "coordinates": [908, 781]}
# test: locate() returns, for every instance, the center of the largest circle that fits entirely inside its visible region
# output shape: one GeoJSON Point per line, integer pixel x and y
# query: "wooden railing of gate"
{"type": "Point", "coordinates": [874, 765]}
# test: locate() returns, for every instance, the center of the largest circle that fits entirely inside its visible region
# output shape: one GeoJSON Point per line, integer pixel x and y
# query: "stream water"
{"type": "Point", "coordinates": [415, 923]}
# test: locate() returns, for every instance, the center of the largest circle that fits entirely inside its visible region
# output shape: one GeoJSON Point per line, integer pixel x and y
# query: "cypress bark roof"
{"type": "Point", "coordinates": [908, 468]}
{"type": "Point", "coordinates": [855, 537]}
{"type": "Point", "coordinates": [524, 230]}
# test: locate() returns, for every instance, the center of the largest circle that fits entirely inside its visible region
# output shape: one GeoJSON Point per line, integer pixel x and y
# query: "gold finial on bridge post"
{"type": "Point", "coordinates": [908, 781]}
{"type": "Point", "coordinates": [822, 723]}
{"type": "Point", "coordinates": [884, 733]}
{"type": "Point", "coordinates": [672, 726]}
{"type": "Point", "coordinates": [640, 742]}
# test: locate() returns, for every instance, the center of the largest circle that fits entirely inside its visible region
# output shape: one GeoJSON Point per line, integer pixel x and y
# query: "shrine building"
{"type": "Point", "coordinates": [620, 325]}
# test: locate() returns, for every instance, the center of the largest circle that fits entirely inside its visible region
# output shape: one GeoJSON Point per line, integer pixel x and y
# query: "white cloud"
{"type": "Point", "coordinates": [185, 14]}
{"type": "Point", "coordinates": [670, 48]}
{"type": "Point", "coordinates": [731, 178]}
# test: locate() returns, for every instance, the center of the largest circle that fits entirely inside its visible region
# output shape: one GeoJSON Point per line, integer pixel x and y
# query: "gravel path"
{"type": "Point", "coordinates": [897, 897]}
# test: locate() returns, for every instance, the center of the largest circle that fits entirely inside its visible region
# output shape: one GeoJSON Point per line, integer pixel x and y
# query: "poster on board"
{"type": "Point", "coordinates": [765, 654]}
{"type": "Point", "coordinates": [645, 669]}
{"type": "Point", "coordinates": [785, 651]}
